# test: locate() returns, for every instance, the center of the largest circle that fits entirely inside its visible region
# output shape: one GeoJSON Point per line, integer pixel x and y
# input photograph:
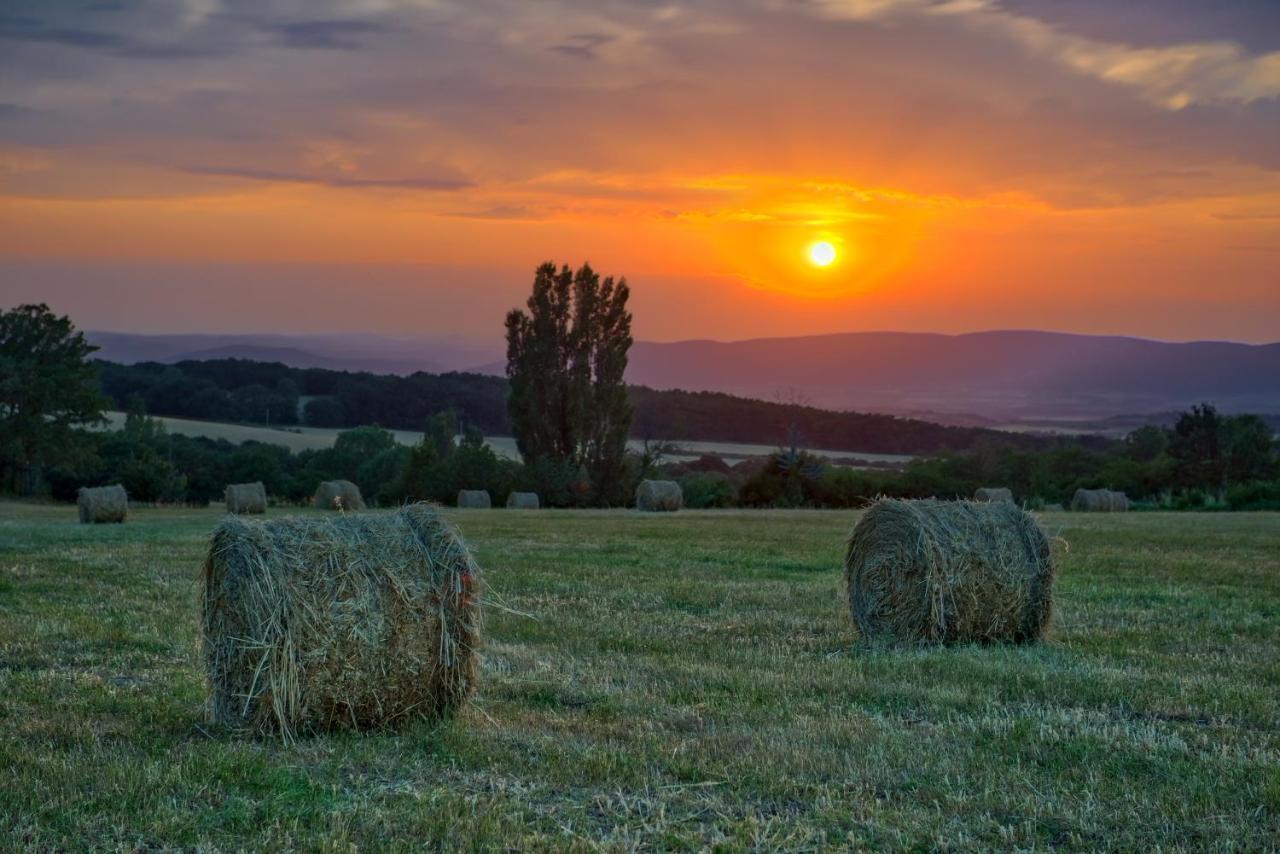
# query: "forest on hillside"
{"type": "Point", "coordinates": [246, 391]}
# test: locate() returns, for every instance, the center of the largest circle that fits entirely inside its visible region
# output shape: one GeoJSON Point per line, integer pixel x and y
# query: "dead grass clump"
{"type": "Point", "coordinates": [993, 493]}
{"type": "Point", "coordinates": [246, 497]}
{"type": "Point", "coordinates": [477, 499]}
{"type": "Point", "coordinates": [102, 504]}
{"type": "Point", "coordinates": [351, 621]}
{"type": "Point", "coordinates": [338, 495]}
{"type": "Point", "coordinates": [659, 496]}
{"type": "Point", "coordinates": [1099, 501]}
{"type": "Point", "coordinates": [949, 572]}
{"type": "Point", "coordinates": [522, 501]}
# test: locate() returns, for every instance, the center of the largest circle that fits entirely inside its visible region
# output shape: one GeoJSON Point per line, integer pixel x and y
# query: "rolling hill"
{"type": "Point", "coordinates": [976, 378]}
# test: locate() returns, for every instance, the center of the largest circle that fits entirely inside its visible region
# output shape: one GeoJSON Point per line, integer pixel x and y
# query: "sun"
{"type": "Point", "coordinates": [822, 253]}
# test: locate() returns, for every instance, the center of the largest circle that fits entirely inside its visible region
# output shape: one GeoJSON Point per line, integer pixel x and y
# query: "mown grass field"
{"type": "Point", "coordinates": [677, 681]}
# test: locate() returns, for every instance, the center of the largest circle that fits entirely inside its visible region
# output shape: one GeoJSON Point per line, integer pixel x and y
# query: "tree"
{"type": "Point", "coordinates": [48, 388]}
{"type": "Point", "coordinates": [1247, 449]}
{"type": "Point", "coordinates": [566, 358]}
{"type": "Point", "coordinates": [1196, 450]}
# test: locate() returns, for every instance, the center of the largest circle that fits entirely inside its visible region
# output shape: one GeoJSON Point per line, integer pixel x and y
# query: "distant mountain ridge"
{"type": "Point", "coordinates": [981, 377]}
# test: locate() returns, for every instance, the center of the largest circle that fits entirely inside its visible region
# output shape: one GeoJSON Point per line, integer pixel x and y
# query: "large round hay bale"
{"type": "Point", "coordinates": [659, 496]}
{"type": "Point", "coordinates": [351, 621]}
{"type": "Point", "coordinates": [338, 495]}
{"type": "Point", "coordinates": [949, 572]}
{"type": "Point", "coordinates": [245, 497]}
{"type": "Point", "coordinates": [102, 504]}
{"type": "Point", "coordinates": [522, 501]}
{"type": "Point", "coordinates": [477, 499]}
{"type": "Point", "coordinates": [1099, 501]}
{"type": "Point", "coordinates": [993, 493]}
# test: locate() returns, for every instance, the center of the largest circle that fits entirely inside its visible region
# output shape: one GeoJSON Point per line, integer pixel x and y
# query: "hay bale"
{"type": "Point", "coordinates": [351, 621]}
{"type": "Point", "coordinates": [245, 497]}
{"type": "Point", "coordinates": [1099, 501]}
{"type": "Point", "coordinates": [659, 496]}
{"type": "Point", "coordinates": [474, 498]}
{"type": "Point", "coordinates": [992, 493]}
{"type": "Point", "coordinates": [102, 504]}
{"type": "Point", "coordinates": [338, 495]}
{"type": "Point", "coordinates": [949, 572]}
{"type": "Point", "coordinates": [522, 501]}
{"type": "Point", "coordinates": [1053, 508]}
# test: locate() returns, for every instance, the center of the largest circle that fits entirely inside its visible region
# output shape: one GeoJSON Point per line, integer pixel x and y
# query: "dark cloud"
{"type": "Point", "coordinates": [323, 35]}
{"type": "Point", "coordinates": [250, 174]}
{"type": "Point", "coordinates": [583, 45]}
{"type": "Point", "coordinates": [29, 30]}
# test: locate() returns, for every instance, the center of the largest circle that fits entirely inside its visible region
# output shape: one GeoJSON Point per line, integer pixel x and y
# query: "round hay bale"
{"type": "Point", "coordinates": [659, 496]}
{"type": "Point", "coordinates": [245, 497]}
{"type": "Point", "coordinates": [340, 622]}
{"type": "Point", "coordinates": [949, 572]}
{"type": "Point", "coordinates": [993, 493]}
{"type": "Point", "coordinates": [474, 498]}
{"type": "Point", "coordinates": [338, 495]}
{"type": "Point", "coordinates": [1099, 501]}
{"type": "Point", "coordinates": [522, 501]}
{"type": "Point", "coordinates": [102, 504]}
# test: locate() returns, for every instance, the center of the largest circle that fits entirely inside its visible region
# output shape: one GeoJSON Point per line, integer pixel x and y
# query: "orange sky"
{"type": "Point", "coordinates": [403, 167]}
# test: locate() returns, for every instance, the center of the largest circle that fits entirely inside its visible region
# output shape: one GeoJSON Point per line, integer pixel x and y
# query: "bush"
{"type": "Point", "coordinates": [707, 489]}
{"type": "Point", "coordinates": [1258, 495]}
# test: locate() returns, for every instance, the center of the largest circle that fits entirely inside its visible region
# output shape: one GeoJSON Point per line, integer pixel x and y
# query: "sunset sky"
{"type": "Point", "coordinates": [401, 166]}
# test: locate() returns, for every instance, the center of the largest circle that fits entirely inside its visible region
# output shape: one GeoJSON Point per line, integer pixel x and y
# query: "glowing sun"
{"type": "Point", "coordinates": [822, 253]}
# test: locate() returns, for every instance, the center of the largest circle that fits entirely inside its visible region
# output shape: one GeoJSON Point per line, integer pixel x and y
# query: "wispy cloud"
{"type": "Point", "coordinates": [1174, 76]}
{"type": "Point", "coordinates": [583, 45]}
{"type": "Point", "coordinates": [282, 177]}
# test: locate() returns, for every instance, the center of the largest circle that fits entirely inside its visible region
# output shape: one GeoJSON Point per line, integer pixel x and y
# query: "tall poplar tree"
{"type": "Point", "coordinates": [566, 357]}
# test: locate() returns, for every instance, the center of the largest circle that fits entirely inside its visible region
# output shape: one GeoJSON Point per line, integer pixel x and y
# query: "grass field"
{"type": "Point", "coordinates": [677, 681]}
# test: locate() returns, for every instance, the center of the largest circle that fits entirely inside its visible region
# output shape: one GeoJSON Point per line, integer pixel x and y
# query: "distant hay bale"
{"type": "Point", "coordinates": [341, 622]}
{"type": "Point", "coordinates": [102, 504]}
{"type": "Point", "coordinates": [246, 497]}
{"type": "Point", "coordinates": [338, 495]}
{"type": "Point", "coordinates": [1053, 508]}
{"type": "Point", "coordinates": [993, 493]}
{"type": "Point", "coordinates": [949, 572]}
{"type": "Point", "coordinates": [522, 501]}
{"type": "Point", "coordinates": [659, 496]}
{"type": "Point", "coordinates": [1099, 501]}
{"type": "Point", "coordinates": [474, 498]}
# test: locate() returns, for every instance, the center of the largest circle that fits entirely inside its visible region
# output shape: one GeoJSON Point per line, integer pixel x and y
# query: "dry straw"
{"type": "Point", "coordinates": [474, 498]}
{"type": "Point", "coordinates": [338, 495]}
{"type": "Point", "coordinates": [351, 621]}
{"type": "Point", "coordinates": [993, 493]}
{"type": "Point", "coordinates": [949, 572]}
{"type": "Point", "coordinates": [522, 501]}
{"type": "Point", "coordinates": [1099, 501]}
{"type": "Point", "coordinates": [659, 496]}
{"type": "Point", "coordinates": [102, 504]}
{"type": "Point", "coordinates": [246, 497]}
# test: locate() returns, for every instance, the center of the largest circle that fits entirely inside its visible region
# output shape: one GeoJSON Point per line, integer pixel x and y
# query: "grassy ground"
{"type": "Point", "coordinates": [680, 681]}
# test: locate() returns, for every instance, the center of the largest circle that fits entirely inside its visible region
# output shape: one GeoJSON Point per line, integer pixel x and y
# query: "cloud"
{"type": "Point", "coordinates": [20, 29]}
{"type": "Point", "coordinates": [583, 45]}
{"type": "Point", "coordinates": [280, 177]}
{"type": "Point", "coordinates": [323, 35]}
{"type": "Point", "coordinates": [1173, 76]}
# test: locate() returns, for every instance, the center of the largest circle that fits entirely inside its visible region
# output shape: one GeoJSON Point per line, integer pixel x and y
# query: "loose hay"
{"type": "Point", "coordinates": [993, 493]}
{"type": "Point", "coordinates": [338, 495]}
{"type": "Point", "coordinates": [522, 501]}
{"type": "Point", "coordinates": [949, 572]}
{"type": "Point", "coordinates": [659, 496]}
{"type": "Point", "coordinates": [474, 498]}
{"type": "Point", "coordinates": [353, 621]}
{"type": "Point", "coordinates": [1099, 501]}
{"type": "Point", "coordinates": [102, 504]}
{"type": "Point", "coordinates": [246, 497]}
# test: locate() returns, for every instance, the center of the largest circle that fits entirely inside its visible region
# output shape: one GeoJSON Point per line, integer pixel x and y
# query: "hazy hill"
{"type": "Point", "coordinates": [973, 379]}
